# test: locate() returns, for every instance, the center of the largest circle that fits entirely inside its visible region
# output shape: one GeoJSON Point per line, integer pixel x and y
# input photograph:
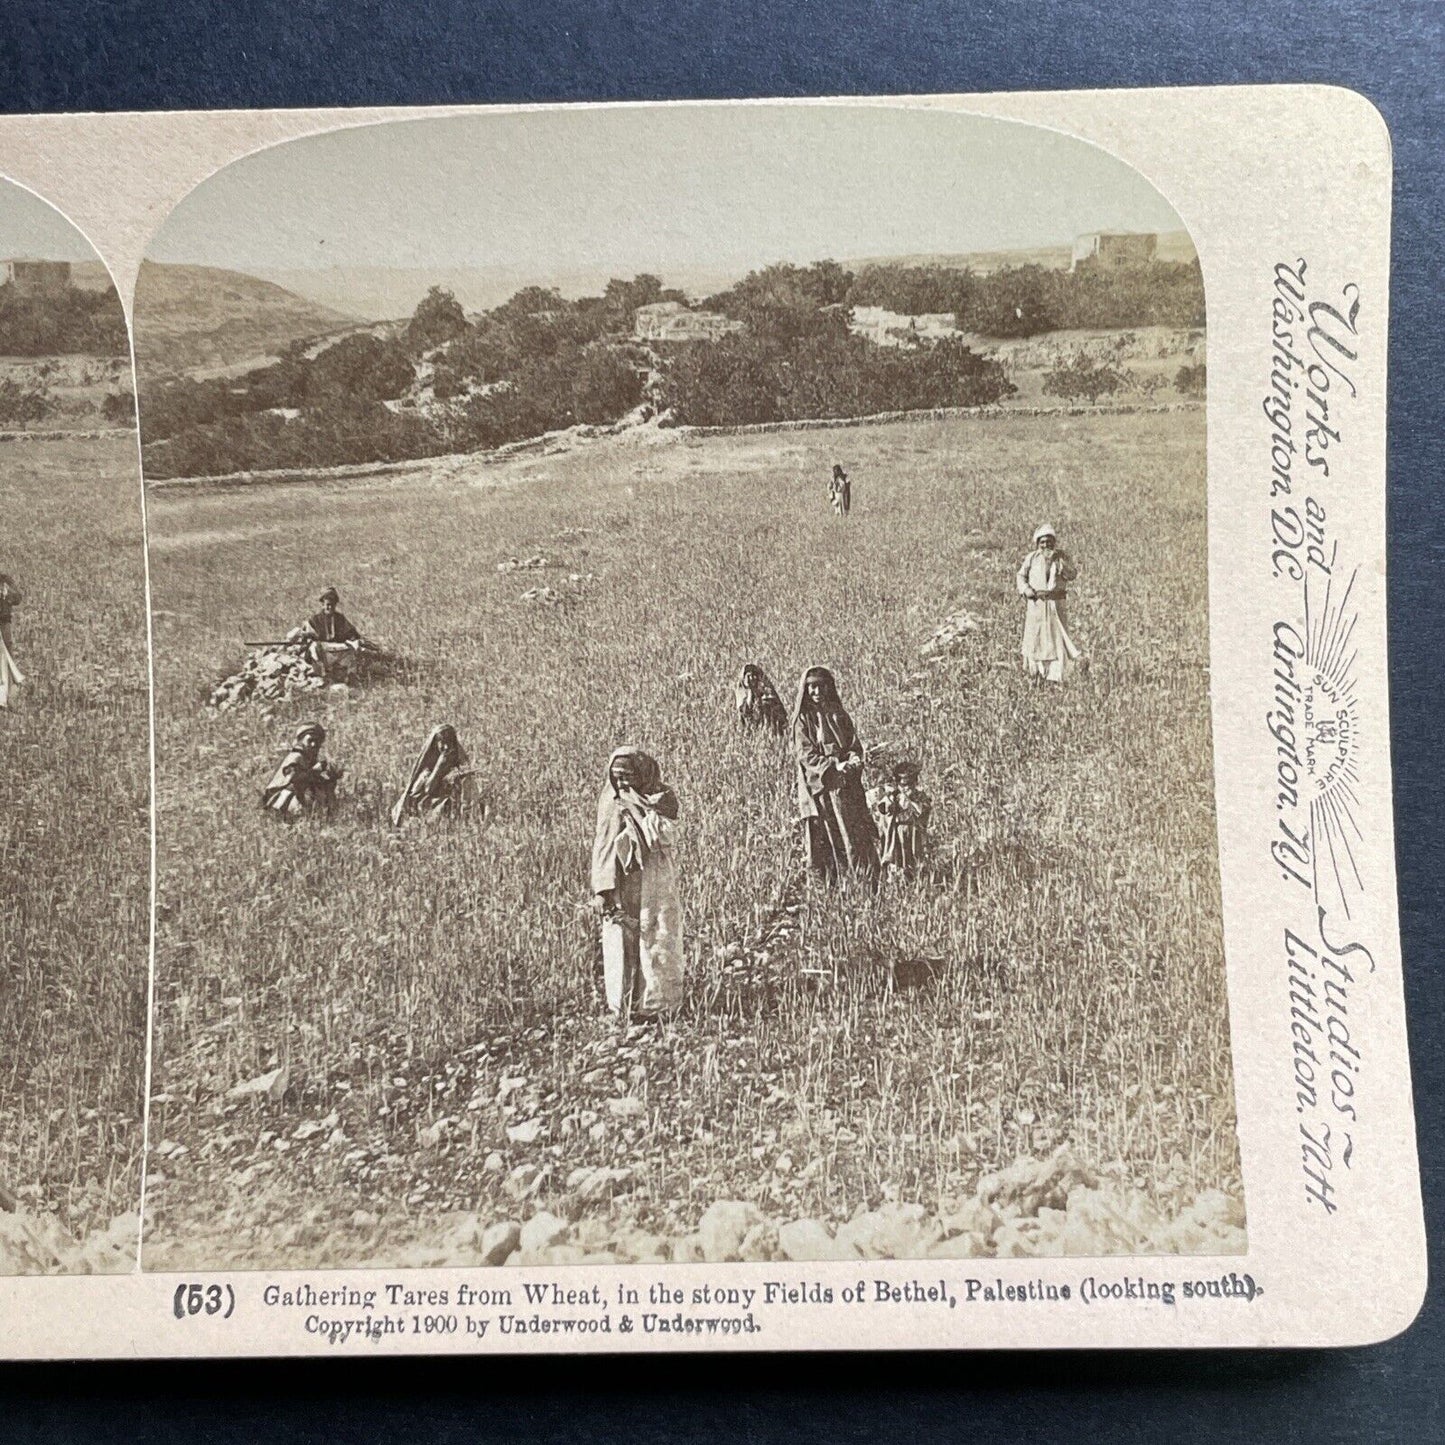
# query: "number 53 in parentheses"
{"type": "Point", "coordinates": [204, 1299]}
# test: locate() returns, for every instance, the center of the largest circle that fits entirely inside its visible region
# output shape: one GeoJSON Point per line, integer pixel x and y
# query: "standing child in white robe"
{"type": "Point", "coordinates": [1049, 652]}
{"type": "Point", "coordinates": [634, 883]}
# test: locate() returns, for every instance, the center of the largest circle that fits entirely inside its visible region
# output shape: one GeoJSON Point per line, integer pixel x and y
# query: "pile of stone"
{"type": "Point", "coordinates": [571, 589]}
{"type": "Point", "coordinates": [522, 564]}
{"type": "Point", "coordinates": [269, 674]}
{"type": "Point", "coordinates": [950, 637]}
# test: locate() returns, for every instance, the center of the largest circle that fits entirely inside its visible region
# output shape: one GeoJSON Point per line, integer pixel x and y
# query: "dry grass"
{"type": "Point", "coordinates": [1076, 910]}
{"type": "Point", "coordinates": [74, 849]}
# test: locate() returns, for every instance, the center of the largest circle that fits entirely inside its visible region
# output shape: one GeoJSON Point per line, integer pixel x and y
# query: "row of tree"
{"type": "Point", "coordinates": [541, 362]}
{"type": "Point", "coordinates": [71, 322]}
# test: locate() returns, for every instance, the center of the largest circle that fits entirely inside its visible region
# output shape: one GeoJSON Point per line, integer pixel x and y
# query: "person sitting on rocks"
{"type": "Point", "coordinates": [333, 643]}
{"type": "Point", "coordinates": [304, 782]}
{"type": "Point", "coordinates": [903, 810]}
{"type": "Point", "coordinates": [441, 782]}
{"type": "Point", "coordinates": [759, 706]}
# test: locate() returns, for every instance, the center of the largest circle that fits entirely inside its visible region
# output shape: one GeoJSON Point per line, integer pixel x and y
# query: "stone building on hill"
{"type": "Point", "coordinates": [1114, 250]}
{"type": "Point", "coordinates": [672, 321]}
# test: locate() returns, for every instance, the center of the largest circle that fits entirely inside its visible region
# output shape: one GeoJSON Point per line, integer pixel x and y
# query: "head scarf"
{"type": "Point", "coordinates": [754, 683]}
{"type": "Point", "coordinates": [427, 761]}
{"type": "Point", "coordinates": [310, 730]}
{"type": "Point", "coordinates": [637, 809]}
{"type": "Point", "coordinates": [831, 704]}
{"type": "Point", "coordinates": [330, 595]}
{"type": "Point", "coordinates": [1045, 531]}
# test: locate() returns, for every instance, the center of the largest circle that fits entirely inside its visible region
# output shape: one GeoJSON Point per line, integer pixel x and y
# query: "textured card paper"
{"type": "Point", "coordinates": [768, 728]}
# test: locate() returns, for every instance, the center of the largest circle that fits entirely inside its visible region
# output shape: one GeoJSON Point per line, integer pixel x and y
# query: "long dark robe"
{"type": "Point", "coordinates": [839, 831]}
{"type": "Point", "coordinates": [438, 783]}
{"type": "Point", "coordinates": [759, 705]}
{"type": "Point", "coordinates": [303, 783]}
{"type": "Point", "coordinates": [333, 627]}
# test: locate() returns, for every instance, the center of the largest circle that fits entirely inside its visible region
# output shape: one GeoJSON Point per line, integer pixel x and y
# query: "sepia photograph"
{"type": "Point", "coordinates": [74, 757]}
{"type": "Point", "coordinates": [682, 702]}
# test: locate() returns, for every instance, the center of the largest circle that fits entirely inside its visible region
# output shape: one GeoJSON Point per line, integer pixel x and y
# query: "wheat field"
{"type": "Point", "coordinates": [75, 846]}
{"type": "Point", "coordinates": [432, 995]}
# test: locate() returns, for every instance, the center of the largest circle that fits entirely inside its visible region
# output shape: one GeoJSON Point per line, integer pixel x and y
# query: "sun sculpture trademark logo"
{"type": "Point", "coordinates": [1330, 743]}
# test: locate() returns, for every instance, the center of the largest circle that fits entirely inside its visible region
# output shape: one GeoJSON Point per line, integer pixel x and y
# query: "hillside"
{"type": "Point", "coordinates": [203, 319]}
{"type": "Point", "coordinates": [1173, 246]}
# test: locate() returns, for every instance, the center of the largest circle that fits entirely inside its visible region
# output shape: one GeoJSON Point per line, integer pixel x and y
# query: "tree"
{"type": "Point", "coordinates": [438, 318]}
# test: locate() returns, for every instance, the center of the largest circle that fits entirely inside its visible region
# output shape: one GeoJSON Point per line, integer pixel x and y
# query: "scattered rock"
{"type": "Point", "coordinates": [806, 1239]}
{"type": "Point", "coordinates": [498, 1241]}
{"type": "Point", "coordinates": [270, 1086]}
{"type": "Point", "coordinates": [541, 1231]}
{"type": "Point", "coordinates": [593, 1183]}
{"type": "Point", "coordinates": [723, 1227]}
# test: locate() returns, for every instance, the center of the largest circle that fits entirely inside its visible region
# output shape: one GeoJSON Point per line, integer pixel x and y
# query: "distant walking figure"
{"type": "Point", "coordinates": [903, 810]}
{"type": "Point", "coordinates": [759, 705]}
{"type": "Point", "coordinates": [10, 674]}
{"type": "Point", "coordinates": [840, 491]}
{"type": "Point", "coordinates": [634, 886]}
{"type": "Point", "coordinates": [304, 782]}
{"type": "Point", "coordinates": [838, 829]}
{"type": "Point", "coordinates": [442, 780]}
{"type": "Point", "coordinates": [1048, 650]}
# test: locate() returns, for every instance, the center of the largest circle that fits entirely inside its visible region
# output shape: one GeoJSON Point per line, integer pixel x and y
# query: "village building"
{"type": "Point", "coordinates": [35, 278]}
{"type": "Point", "coordinates": [1114, 250]}
{"type": "Point", "coordinates": [673, 321]}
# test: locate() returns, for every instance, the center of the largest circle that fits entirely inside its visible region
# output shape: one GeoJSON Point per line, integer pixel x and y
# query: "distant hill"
{"type": "Point", "coordinates": [206, 320]}
{"type": "Point", "coordinates": [1173, 246]}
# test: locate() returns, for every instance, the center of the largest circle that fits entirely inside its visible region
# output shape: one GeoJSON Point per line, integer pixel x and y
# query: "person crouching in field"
{"type": "Point", "coordinates": [759, 706]}
{"type": "Point", "coordinates": [441, 781]}
{"type": "Point", "coordinates": [634, 886]}
{"type": "Point", "coordinates": [838, 829]}
{"type": "Point", "coordinates": [1048, 650]}
{"type": "Point", "coordinates": [10, 674]}
{"type": "Point", "coordinates": [903, 810]}
{"type": "Point", "coordinates": [304, 782]}
{"type": "Point", "coordinates": [333, 643]}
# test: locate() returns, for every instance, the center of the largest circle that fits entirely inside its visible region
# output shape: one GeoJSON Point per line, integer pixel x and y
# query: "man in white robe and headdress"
{"type": "Point", "coordinates": [1049, 652]}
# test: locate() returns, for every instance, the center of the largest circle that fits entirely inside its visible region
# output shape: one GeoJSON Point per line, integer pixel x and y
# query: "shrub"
{"type": "Point", "coordinates": [1083, 378]}
{"type": "Point", "coordinates": [119, 407]}
{"type": "Point", "coordinates": [1190, 379]}
{"type": "Point", "coordinates": [20, 405]}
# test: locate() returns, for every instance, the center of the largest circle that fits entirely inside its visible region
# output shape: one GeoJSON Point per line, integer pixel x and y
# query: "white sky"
{"type": "Point", "coordinates": [31, 227]}
{"type": "Point", "coordinates": [727, 186]}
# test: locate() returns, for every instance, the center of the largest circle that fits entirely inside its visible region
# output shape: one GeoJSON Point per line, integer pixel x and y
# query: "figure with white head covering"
{"type": "Point", "coordinates": [304, 782]}
{"type": "Point", "coordinates": [10, 674]}
{"type": "Point", "coordinates": [441, 782]}
{"type": "Point", "coordinates": [1049, 652]}
{"type": "Point", "coordinates": [634, 887]}
{"type": "Point", "coordinates": [838, 830]}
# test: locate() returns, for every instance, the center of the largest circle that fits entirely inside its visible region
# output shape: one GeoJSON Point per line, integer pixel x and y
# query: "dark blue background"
{"type": "Point", "coordinates": [173, 54]}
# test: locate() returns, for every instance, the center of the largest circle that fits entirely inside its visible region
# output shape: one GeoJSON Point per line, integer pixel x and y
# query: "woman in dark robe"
{"type": "Point", "coordinates": [440, 782]}
{"type": "Point", "coordinates": [759, 705]}
{"type": "Point", "coordinates": [634, 886]}
{"type": "Point", "coordinates": [838, 829]}
{"type": "Point", "coordinates": [304, 782]}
